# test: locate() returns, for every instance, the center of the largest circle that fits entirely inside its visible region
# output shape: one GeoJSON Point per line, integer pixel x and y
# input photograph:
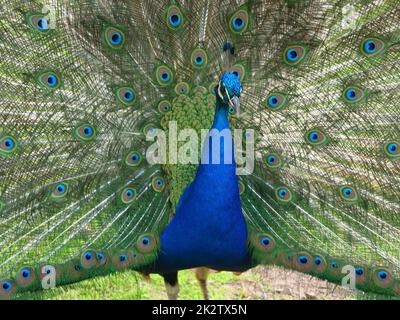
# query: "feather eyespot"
{"type": "Point", "coordinates": [182, 88]}
{"type": "Point", "coordinates": [89, 259]}
{"type": "Point", "coordinates": [114, 38]}
{"type": "Point", "coordinates": [85, 132]}
{"type": "Point", "coordinates": [239, 70]}
{"type": "Point", "coordinates": [122, 260]}
{"type": "Point", "coordinates": [283, 194]}
{"type": "Point", "coordinates": [133, 159]}
{"type": "Point", "coordinates": [146, 243]}
{"type": "Point", "coordinates": [59, 192]}
{"type": "Point", "coordinates": [371, 47]}
{"type": "Point", "coordinates": [303, 261]}
{"type": "Point", "coordinates": [319, 264]}
{"type": "Point", "coordinates": [392, 149]}
{"type": "Point", "coordinates": [158, 184]}
{"type": "Point", "coordinates": [49, 80]}
{"type": "Point", "coordinates": [164, 75]}
{"type": "Point", "coordinates": [316, 137]}
{"type": "Point", "coordinates": [25, 276]}
{"type": "Point", "coordinates": [294, 55]}
{"type": "Point", "coordinates": [125, 96]}
{"type": "Point", "coordinates": [276, 102]}
{"type": "Point", "coordinates": [273, 160]}
{"type": "Point", "coordinates": [239, 21]}
{"type": "Point", "coordinates": [353, 94]}
{"type": "Point", "coordinates": [382, 278]}
{"type": "Point", "coordinates": [199, 58]}
{"type": "Point", "coordinates": [348, 194]}
{"type": "Point", "coordinates": [128, 195]}
{"type": "Point", "coordinates": [38, 23]}
{"type": "Point", "coordinates": [8, 145]}
{"type": "Point", "coordinates": [174, 18]}
{"type": "Point", "coordinates": [264, 242]}
{"type": "Point", "coordinates": [164, 106]}
{"type": "Point", "coordinates": [7, 288]}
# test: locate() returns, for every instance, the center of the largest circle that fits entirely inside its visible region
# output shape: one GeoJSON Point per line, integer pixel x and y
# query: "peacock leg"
{"type": "Point", "coordinates": [202, 275]}
{"type": "Point", "coordinates": [171, 285]}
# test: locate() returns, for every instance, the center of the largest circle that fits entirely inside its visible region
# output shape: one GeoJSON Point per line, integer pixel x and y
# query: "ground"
{"type": "Point", "coordinates": [259, 283]}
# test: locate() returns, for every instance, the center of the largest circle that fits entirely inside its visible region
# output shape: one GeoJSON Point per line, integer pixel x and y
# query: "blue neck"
{"type": "Point", "coordinates": [208, 228]}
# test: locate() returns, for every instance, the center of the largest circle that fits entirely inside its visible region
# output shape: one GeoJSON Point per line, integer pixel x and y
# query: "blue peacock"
{"type": "Point", "coordinates": [84, 84]}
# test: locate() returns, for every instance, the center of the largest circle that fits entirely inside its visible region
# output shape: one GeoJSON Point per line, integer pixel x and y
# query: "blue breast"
{"type": "Point", "coordinates": [208, 228]}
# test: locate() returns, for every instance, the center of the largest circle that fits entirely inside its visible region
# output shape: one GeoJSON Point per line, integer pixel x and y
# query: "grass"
{"type": "Point", "coordinates": [258, 283]}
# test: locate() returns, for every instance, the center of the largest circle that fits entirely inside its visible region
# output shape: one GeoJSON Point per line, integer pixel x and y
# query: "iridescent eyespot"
{"type": "Point", "coordinates": [213, 87]}
{"type": "Point", "coordinates": [239, 70]}
{"type": "Point", "coordinates": [146, 243]}
{"type": "Point", "coordinates": [276, 101]}
{"type": "Point", "coordinates": [85, 132]}
{"type": "Point", "coordinates": [283, 194]}
{"type": "Point", "coordinates": [319, 264]}
{"type": "Point", "coordinates": [7, 288]}
{"type": "Point", "coordinates": [316, 137]}
{"type": "Point", "coordinates": [303, 261]}
{"type": "Point", "coordinates": [133, 159]}
{"type": "Point", "coordinates": [102, 258]}
{"type": "Point", "coordinates": [8, 145]}
{"type": "Point", "coordinates": [231, 110]}
{"type": "Point", "coordinates": [382, 278]}
{"type": "Point", "coordinates": [273, 160]}
{"type": "Point", "coordinates": [264, 241]}
{"type": "Point", "coordinates": [164, 106]}
{"type": "Point", "coordinates": [392, 149]}
{"type": "Point", "coordinates": [199, 58]}
{"type": "Point", "coordinates": [174, 18]}
{"type": "Point", "coordinates": [239, 21]}
{"type": "Point", "coordinates": [125, 96]}
{"type": "Point", "coordinates": [371, 47]}
{"type": "Point", "coordinates": [122, 259]}
{"type": "Point", "coordinates": [164, 75]}
{"type": "Point", "coordinates": [128, 195]}
{"type": "Point", "coordinates": [88, 259]}
{"type": "Point", "coordinates": [293, 55]}
{"type": "Point", "coordinates": [114, 38]}
{"type": "Point", "coordinates": [59, 191]}
{"type": "Point", "coordinates": [182, 88]}
{"type": "Point", "coordinates": [38, 23]}
{"type": "Point", "coordinates": [49, 81]}
{"type": "Point", "coordinates": [348, 194]}
{"type": "Point", "coordinates": [158, 184]}
{"type": "Point", "coordinates": [353, 94]}
{"type": "Point", "coordinates": [25, 277]}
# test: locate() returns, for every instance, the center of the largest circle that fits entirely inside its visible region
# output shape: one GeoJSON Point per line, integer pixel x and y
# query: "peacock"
{"type": "Point", "coordinates": [296, 108]}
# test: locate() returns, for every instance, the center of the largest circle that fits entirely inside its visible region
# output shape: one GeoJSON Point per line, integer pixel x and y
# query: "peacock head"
{"type": "Point", "coordinates": [229, 89]}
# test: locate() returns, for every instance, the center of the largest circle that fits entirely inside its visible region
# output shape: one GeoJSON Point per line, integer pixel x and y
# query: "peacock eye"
{"type": "Point", "coordinates": [174, 18]}
{"type": "Point", "coordinates": [49, 80]}
{"type": "Point", "coordinates": [125, 96]}
{"type": "Point", "coordinates": [38, 23]}
{"type": "Point", "coordinates": [25, 273]}
{"type": "Point", "coordinates": [264, 241]}
{"type": "Point", "coordinates": [164, 106]}
{"type": "Point", "coordinates": [182, 88]}
{"type": "Point", "coordinates": [283, 194]}
{"type": "Point", "coordinates": [372, 46]}
{"type": "Point", "coordinates": [276, 101]}
{"type": "Point", "coordinates": [128, 195]}
{"type": "Point", "coordinates": [199, 58]}
{"type": "Point", "coordinates": [333, 265]}
{"type": "Point", "coordinates": [239, 70]}
{"type": "Point", "coordinates": [239, 21]}
{"type": "Point", "coordinates": [8, 145]}
{"type": "Point", "coordinates": [164, 75]}
{"type": "Point", "coordinates": [59, 191]}
{"type": "Point", "coordinates": [100, 256]}
{"type": "Point", "coordinates": [392, 149]}
{"type": "Point", "coordinates": [353, 94]}
{"type": "Point", "coordinates": [114, 38]}
{"type": "Point", "coordinates": [348, 194]}
{"type": "Point", "coordinates": [317, 261]}
{"type": "Point", "coordinates": [158, 184]}
{"type": "Point", "coordinates": [123, 257]}
{"type": "Point", "coordinates": [316, 137]}
{"type": "Point", "coordinates": [293, 55]}
{"type": "Point", "coordinates": [6, 285]}
{"type": "Point", "coordinates": [302, 259]}
{"type": "Point", "coordinates": [133, 159]}
{"type": "Point", "coordinates": [359, 271]}
{"type": "Point", "coordinates": [382, 278]}
{"type": "Point", "coordinates": [146, 243]}
{"type": "Point", "coordinates": [88, 256]}
{"type": "Point", "coordinates": [85, 132]}
{"type": "Point", "coordinates": [273, 160]}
